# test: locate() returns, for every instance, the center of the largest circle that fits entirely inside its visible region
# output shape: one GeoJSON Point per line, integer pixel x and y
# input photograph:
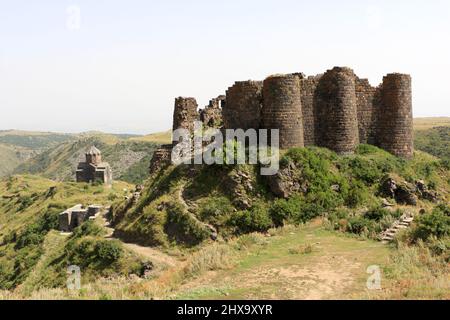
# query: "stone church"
{"type": "Point", "coordinates": [94, 169]}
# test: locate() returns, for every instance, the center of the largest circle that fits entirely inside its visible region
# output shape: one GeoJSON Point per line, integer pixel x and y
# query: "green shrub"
{"type": "Point", "coordinates": [256, 219]}
{"type": "Point", "coordinates": [283, 210]}
{"type": "Point", "coordinates": [436, 224]}
{"type": "Point", "coordinates": [357, 195]}
{"type": "Point", "coordinates": [359, 225]}
{"type": "Point", "coordinates": [215, 209]}
{"type": "Point", "coordinates": [376, 214]}
{"type": "Point", "coordinates": [108, 251]}
{"type": "Point", "coordinates": [89, 228]}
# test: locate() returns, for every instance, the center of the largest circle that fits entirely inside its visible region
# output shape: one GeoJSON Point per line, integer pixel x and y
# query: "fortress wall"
{"type": "Point", "coordinates": [337, 126]}
{"type": "Point", "coordinates": [282, 109]}
{"type": "Point", "coordinates": [308, 88]}
{"type": "Point", "coordinates": [242, 109]}
{"type": "Point", "coordinates": [395, 122]}
{"type": "Point", "coordinates": [185, 113]}
{"type": "Point", "coordinates": [365, 100]}
{"type": "Point", "coordinates": [211, 116]}
{"type": "Point", "coordinates": [161, 157]}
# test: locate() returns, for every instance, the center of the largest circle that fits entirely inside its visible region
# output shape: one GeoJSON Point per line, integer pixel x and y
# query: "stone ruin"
{"type": "Point", "coordinates": [94, 169]}
{"type": "Point", "coordinates": [75, 216]}
{"type": "Point", "coordinates": [336, 110]}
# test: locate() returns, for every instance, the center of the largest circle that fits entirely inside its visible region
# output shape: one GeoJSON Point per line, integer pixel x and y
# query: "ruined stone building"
{"type": "Point", "coordinates": [336, 110]}
{"type": "Point", "coordinates": [75, 216]}
{"type": "Point", "coordinates": [94, 169]}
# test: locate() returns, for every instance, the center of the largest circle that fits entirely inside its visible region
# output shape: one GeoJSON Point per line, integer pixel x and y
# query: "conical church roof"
{"type": "Point", "coordinates": [93, 151]}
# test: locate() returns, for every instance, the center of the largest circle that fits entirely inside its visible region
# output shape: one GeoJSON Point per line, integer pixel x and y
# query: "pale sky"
{"type": "Point", "coordinates": [119, 67]}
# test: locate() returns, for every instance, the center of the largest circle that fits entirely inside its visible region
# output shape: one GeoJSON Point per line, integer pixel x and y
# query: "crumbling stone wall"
{"type": "Point", "coordinates": [367, 110]}
{"type": "Point", "coordinates": [211, 116]}
{"type": "Point", "coordinates": [282, 109]}
{"type": "Point", "coordinates": [185, 113]}
{"type": "Point", "coordinates": [395, 130]}
{"type": "Point", "coordinates": [161, 158]}
{"type": "Point", "coordinates": [243, 105]}
{"type": "Point", "coordinates": [337, 111]}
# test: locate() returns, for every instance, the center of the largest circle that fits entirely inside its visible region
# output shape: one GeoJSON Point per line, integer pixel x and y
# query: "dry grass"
{"type": "Point", "coordinates": [159, 138]}
{"type": "Point", "coordinates": [428, 123]}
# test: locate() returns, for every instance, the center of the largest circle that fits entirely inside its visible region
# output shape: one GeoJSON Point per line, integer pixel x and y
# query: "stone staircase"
{"type": "Point", "coordinates": [403, 223]}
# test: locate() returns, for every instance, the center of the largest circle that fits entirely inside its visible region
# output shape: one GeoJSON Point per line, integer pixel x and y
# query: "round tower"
{"type": "Point", "coordinates": [337, 111]}
{"type": "Point", "coordinates": [395, 119]}
{"type": "Point", "coordinates": [282, 109]}
{"type": "Point", "coordinates": [243, 105]}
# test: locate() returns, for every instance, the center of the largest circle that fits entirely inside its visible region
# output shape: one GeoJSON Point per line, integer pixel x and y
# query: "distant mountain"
{"type": "Point", "coordinates": [36, 141]}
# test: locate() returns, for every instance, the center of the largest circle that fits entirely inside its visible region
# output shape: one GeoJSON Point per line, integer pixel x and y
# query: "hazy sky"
{"type": "Point", "coordinates": [120, 65]}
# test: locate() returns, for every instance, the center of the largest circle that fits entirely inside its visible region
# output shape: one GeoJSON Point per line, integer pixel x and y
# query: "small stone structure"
{"type": "Point", "coordinates": [336, 110]}
{"type": "Point", "coordinates": [94, 169]}
{"type": "Point", "coordinates": [75, 216]}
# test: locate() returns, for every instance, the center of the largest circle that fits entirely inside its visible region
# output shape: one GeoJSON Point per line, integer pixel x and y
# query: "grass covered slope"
{"type": "Point", "coordinates": [186, 205]}
{"type": "Point", "coordinates": [33, 254]}
{"type": "Point", "coordinates": [11, 157]}
{"type": "Point", "coordinates": [129, 159]}
{"type": "Point", "coordinates": [435, 141]}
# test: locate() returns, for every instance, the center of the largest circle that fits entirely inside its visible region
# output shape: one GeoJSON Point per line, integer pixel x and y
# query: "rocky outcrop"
{"type": "Point", "coordinates": [287, 181]}
{"type": "Point", "coordinates": [407, 193]}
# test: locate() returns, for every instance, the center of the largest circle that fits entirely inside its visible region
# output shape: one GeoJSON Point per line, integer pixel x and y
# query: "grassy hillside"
{"type": "Point", "coordinates": [184, 202]}
{"type": "Point", "coordinates": [11, 157]}
{"type": "Point", "coordinates": [129, 159]}
{"type": "Point", "coordinates": [318, 241]}
{"type": "Point", "coordinates": [33, 254]}
{"type": "Point", "coordinates": [435, 141]}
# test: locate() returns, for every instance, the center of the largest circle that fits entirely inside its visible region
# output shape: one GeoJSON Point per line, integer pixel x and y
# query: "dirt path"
{"type": "Point", "coordinates": [335, 269]}
{"type": "Point", "coordinates": [152, 254]}
{"type": "Point", "coordinates": [156, 256]}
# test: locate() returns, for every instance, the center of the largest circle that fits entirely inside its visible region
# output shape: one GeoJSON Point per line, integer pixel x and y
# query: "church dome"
{"type": "Point", "coordinates": [93, 151]}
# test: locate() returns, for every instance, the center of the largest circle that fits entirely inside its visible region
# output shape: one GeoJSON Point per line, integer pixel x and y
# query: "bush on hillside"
{"type": "Point", "coordinates": [436, 223]}
{"type": "Point", "coordinates": [257, 219]}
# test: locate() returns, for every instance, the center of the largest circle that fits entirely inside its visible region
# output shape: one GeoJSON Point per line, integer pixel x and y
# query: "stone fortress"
{"type": "Point", "coordinates": [94, 168]}
{"type": "Point", "coordinates": [336, 110]}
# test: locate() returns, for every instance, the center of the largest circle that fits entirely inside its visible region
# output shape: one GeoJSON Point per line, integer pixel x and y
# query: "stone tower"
{"type": "Point", "coordinates": [395, 119]}
{"type": "Point", "coordinates": [243, 105]}
{"type": "Point", "coordinates": [185, 113]}
{"type": "Point", "coordinates": [337, 111]}
{"type": "Point", "coordinates": [282, 109]}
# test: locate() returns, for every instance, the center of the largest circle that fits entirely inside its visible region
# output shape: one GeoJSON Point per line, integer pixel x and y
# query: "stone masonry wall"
{"type": "Point", "coordinates": [337, 111]}
{"type": "Point", "coordinates": [243, 105]}
{"type": "Point", "coordinates": [161, 158]}
{"type": "Point", "coordinates": [395, 119]}
{"type": "Point", "coordinates": [308, 88]}
{"type": "Point", "coordinates": [211, 116]}
{"type": "Point", "coordinates": [365, 99]}
{"type": "Point", "coordinates": [282, 109]}
{"type": "Point", "coordinates": [185, 113]}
